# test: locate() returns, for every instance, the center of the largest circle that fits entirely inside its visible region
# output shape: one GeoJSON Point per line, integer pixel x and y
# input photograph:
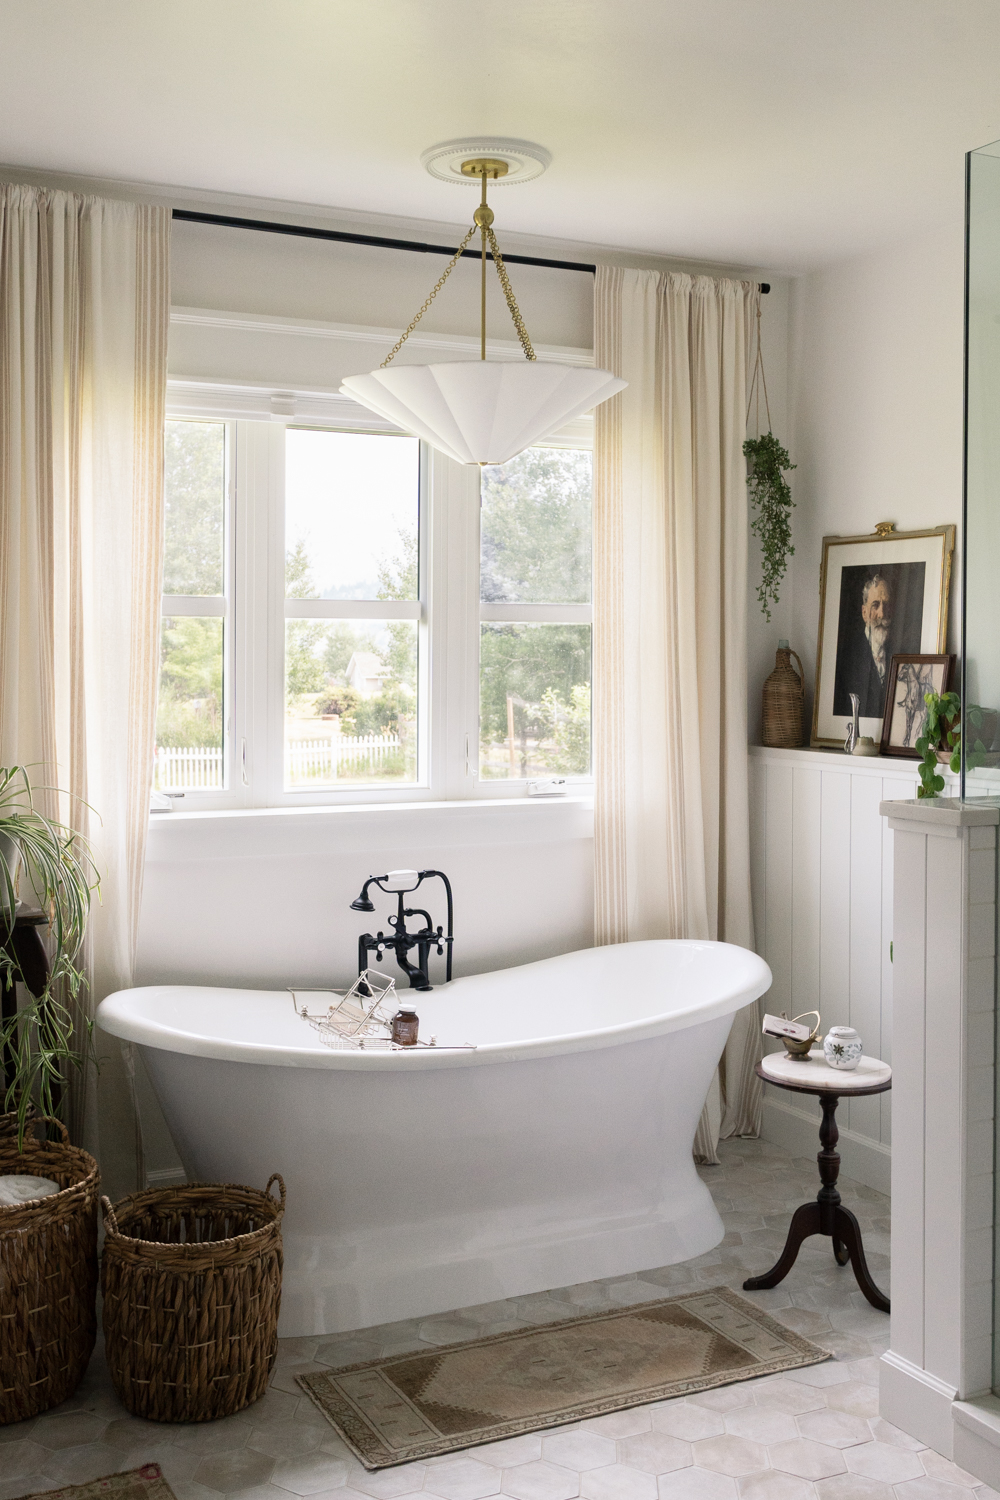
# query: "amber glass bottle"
{"type": "Point", "coordinates": [405, 1025]}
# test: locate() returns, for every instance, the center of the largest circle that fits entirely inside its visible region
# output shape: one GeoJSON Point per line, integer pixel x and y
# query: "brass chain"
{"type": "Point", "coordinates": [448, 270]}
{"type": "Point", "coordinates": [522, 332]}
{"type": "Point", "coordinates": [508, 292]}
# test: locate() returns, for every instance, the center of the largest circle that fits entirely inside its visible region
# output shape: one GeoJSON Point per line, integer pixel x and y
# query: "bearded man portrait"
{"type": "Point", "coordinates": [881, 610]}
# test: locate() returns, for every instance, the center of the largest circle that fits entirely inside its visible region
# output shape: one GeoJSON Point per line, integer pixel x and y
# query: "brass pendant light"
{"type": "Point", "coordinates": [488, 411]}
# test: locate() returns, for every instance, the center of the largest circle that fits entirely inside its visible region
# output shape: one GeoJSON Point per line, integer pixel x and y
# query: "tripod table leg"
{"type": "Point", "coordinates": [849, 1231]}
{"type": "Point", "coordinates": [805, 1221]}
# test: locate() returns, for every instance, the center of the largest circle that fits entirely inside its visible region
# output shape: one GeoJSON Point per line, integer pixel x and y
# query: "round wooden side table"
{"type": "Point", "coordinates": [827, 1215]}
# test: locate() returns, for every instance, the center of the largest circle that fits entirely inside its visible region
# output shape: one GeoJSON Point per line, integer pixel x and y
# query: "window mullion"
{"type": "Point", "coordinates": [272, 470]}
{"type": "Point", "coordinates": [454, 632]}
{"type": "Point", "coordinates": [254, 610]}
{"type": "Point", "coordinates": [234, 696]}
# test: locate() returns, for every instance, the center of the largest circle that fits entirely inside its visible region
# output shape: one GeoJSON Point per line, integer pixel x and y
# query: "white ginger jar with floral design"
{"type": "Point", "coordinates": [842, 1048]}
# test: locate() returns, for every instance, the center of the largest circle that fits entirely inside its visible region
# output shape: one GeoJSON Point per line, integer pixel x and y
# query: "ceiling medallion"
{"type": "Point", "coordinates": [488, 411]}
{"type": "Point", "coordinates": [524, 160]}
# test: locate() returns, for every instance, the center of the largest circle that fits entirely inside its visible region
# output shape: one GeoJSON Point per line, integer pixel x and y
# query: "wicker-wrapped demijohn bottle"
{"type": "Point", "coordinates": [784, 696]}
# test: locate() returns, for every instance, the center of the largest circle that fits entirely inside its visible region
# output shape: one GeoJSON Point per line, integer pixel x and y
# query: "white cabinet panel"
{"type": "Point", "coordinates": [806, 861]}
{"type": "Point", "coordinates": [821, 872]}
{"type": "Point", "coordinates": [778, 846]}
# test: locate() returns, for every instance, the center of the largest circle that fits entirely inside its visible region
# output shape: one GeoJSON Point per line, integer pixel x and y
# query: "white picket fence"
{"type": "Point", "coordinates": [323, 760]}
{"type": "Point", "coordinates": [200, 768]}
{"type": "Point", "coordinates": [188, 768]}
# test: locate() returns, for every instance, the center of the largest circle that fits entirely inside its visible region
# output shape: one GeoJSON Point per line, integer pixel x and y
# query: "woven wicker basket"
{"type": "Point", "coordinates": [191, 1279]}
{"type": "Point", "coordinates": [8, 1123]}
{"type": "Point", "coordinates": [784, 694]}
{"type": "Point", "coordinates": [48, 1277]}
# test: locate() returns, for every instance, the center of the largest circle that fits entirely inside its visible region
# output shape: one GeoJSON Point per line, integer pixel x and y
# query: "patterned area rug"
{"type": "Point", "coordinates": [416, 1405]}
{"type": "Point", "coordinates": [146, 1483]}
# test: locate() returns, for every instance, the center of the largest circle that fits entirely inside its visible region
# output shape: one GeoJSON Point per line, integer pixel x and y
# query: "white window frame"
{"type": "Point", "coordinates": [217, 606]}
{"type": "Point", "coordinates": [448, 612]}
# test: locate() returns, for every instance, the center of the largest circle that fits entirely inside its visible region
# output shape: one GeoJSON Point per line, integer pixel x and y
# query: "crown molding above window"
{"type": "Point", "coordinates": [253, 365]}
{"type": "Point", "coordinates": [441, 343]}
{"type": "Point", "coordinates": [227, 401]}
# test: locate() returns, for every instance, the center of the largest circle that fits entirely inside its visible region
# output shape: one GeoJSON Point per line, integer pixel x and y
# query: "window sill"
{"type": "Point", "coordinates": [400, 830]}
{"type": "Point", "coordinates": [584, 799]}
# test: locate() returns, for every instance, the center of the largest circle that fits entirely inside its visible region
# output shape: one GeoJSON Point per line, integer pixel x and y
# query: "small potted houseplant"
{"type": "Point", "coordinates": [48, 1227]}
{"type": "Point", "coordinates": [941, 739]}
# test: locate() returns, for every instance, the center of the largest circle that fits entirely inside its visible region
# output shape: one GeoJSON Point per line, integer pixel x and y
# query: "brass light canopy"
{"type": "Point", "coordinates": [491, 166]}
{"type": "Point", "coordinates": [487, 412]}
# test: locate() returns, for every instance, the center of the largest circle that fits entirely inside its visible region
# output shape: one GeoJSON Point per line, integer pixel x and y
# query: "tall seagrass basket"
{"type": "Point", "coordinates": [783, 699]}
{"type": "Point", "coordinates": [191, 1280]}
{"type": "Point", "coordinates": [48, 1275]}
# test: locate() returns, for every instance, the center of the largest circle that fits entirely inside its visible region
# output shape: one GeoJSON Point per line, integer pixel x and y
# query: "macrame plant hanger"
{"type": "Point", "coordinates": [770, 496]}
{"type": "Point", "coordinates": [758, 383]}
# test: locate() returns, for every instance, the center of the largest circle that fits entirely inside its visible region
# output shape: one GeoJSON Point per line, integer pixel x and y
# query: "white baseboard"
{"type": "Point", "coordinates": [977, 1438]}
{"type": "Point", "coordinates": [862, 1158]}
{"type": "Point", "coordinates": [917, 1402]}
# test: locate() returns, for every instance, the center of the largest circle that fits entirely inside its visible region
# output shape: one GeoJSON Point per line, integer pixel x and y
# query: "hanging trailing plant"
{"type": "Point", "coordinates": [770, 496]}
{"type": "Point", "coordinates": [772, 502]}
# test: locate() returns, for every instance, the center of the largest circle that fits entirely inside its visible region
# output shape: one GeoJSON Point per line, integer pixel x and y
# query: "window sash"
{"type": "Point", "coordinates": [216, 606]}
{"type": "Point", "coordinates": [529, 614]}
{"type": "Point", "coordinates": [448, 614]}
{"type": "Point", "coordinates": [199, 605]}
{"type": "Point", "coordinates": [353, 609]}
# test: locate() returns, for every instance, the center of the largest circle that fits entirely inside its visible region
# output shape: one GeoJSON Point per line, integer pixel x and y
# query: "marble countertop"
{"type": "Point", "coordinates": [817, 1073]}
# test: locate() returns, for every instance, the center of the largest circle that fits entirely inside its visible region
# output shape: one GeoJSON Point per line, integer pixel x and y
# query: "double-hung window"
{"type": "Point", "coordinates": [352, 610]}
{"type": "Point", "coordinates": [535, 616]}
{"type": "Point", "coordinates": [350, 617]}
{"type": "Point", "coordinates": [196, 635]}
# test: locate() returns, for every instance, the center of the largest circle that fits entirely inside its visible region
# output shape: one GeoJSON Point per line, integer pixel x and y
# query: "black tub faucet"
{"type": "Point", "coordinates": [400, 883]}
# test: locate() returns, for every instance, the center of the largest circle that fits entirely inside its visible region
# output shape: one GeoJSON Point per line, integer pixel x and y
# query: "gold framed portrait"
{"type": "Point", "coordinates": [881, 596]}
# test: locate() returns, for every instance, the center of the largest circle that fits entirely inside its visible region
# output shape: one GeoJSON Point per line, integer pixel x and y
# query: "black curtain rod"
{"type": "Point", "coordinates": [306, 232]}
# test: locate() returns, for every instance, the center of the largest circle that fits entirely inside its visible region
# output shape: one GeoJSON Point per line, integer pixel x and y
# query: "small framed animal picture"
{"type": "Point", "coordinates": [909, 678]}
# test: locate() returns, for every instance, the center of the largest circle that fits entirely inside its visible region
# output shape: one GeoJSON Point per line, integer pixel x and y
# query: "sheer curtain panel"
{"type": "Point", "coordinates": [84, 313]}
{"type": "Point", "coordinates": [670, 599]}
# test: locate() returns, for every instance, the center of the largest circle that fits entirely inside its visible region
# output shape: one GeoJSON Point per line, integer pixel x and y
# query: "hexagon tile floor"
{"type": "Point", "coordinates": [811, 1434]}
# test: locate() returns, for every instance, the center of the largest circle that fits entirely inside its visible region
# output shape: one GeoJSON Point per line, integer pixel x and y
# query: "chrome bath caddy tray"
{"type": "Point", "coordinates": [361, 1018]}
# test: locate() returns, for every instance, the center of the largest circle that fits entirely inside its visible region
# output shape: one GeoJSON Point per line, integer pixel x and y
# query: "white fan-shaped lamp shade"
{"type": "Point", "coordinates": [482, 411]}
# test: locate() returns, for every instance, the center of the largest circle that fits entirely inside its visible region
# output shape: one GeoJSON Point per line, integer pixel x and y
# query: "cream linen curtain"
{"type": "Point", "coordinates": [670, 586]}
{"type": "Point", "coordinates": [84, 313]}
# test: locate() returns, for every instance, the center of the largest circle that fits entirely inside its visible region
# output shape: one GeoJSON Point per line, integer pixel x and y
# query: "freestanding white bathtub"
{"type": "Point", "coordinates": [558, 1151]}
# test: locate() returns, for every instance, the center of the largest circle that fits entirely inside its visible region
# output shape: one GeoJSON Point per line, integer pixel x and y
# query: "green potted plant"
{"type": "Point", "coordinates": [56, 865]}
{"type": "Point", "coordinates": [48, 1220]}
{"type": "Point", "coordinates": [941, 740]}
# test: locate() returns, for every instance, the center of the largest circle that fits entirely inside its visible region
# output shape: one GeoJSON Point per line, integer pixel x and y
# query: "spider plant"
{"type": "Point", "coordinates": [57, 865]}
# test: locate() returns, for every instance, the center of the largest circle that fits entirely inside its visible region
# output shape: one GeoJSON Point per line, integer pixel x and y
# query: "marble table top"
{"type": "Point", "coordinates": [870, 1072]}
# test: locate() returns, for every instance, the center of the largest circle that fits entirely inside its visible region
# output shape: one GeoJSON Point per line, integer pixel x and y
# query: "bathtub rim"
{"type": "Point", "coordinates": [115, 1017]}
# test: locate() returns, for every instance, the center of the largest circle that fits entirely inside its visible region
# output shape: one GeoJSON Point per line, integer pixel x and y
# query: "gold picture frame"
{"type": "Point", "coordinates": [880, 595]}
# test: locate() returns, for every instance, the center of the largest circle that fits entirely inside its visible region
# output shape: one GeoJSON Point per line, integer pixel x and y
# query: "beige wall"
{"type": "Point", "coordinates": [875, 375]}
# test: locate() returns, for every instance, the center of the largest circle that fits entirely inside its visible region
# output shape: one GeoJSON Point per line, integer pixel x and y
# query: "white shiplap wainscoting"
{"type": "Point", "coordinates": [821, 873]}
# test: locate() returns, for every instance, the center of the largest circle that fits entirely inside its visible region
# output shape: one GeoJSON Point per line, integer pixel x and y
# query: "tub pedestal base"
{"type": "Point", "coordinates": [318, 1300]}
{"type": "Point", "coordinates": [415, 1194]}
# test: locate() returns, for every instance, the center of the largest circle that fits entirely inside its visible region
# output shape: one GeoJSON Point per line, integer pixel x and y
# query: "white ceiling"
{"type": "Point", "coordinates": [781, 133]}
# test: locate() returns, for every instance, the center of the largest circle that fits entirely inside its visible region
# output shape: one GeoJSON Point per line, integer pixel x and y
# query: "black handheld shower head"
{"type": "Point", "coordinates": [362, 903]}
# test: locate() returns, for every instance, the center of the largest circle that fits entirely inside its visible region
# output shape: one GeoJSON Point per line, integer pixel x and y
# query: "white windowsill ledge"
{"type": "Point", "coordinates": [402, 831]}
{"type": "Point", "coordinates": [367, 809]}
